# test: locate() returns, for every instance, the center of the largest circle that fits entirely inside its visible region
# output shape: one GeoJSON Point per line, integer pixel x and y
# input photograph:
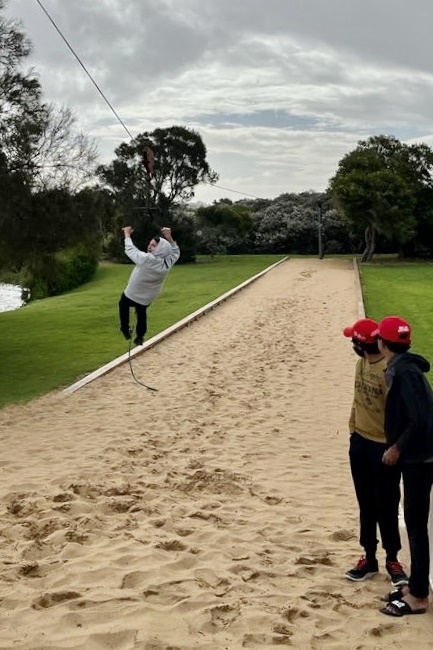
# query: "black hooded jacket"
{"type": "Point", "coordinates": [409, 408]}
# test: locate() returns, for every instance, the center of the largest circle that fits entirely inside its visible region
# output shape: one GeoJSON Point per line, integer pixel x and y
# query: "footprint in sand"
{"type": "Point", "coordinates": [342, 535]}
{"type": "Point", "coordinates": [304, 275]}
{"type": "Point", "coordinates": [290, 613]}
{"type": "Point", "coordinates": [184, 532]}
{"type": "Point", "coordinates": [280, 628]}
{"type": "Point", "coordinates": [323, 559]}
{"type": "Point", "coordinates": [63, 497]}
{"type": "Point", "coordinates": [207, 577]}
{"type": "Point", "coordinates": [21, 505]}
{"type": "Point", "coordinates": [216, 481]}
{"type": "Point", "coordinates": [118, 504]}
{"type": "Point", "coordinates": [31, 569]}
{"type": "Point", "coordinates": [224, 615]}
{"type": "Point", "coordinates": [49, 600]}
{"type": "Point", "coordinates": [245, 572]}
{"type": "Point", "coordinates": [171, 545]}
{"type": "Point", "coordinates": [380, 630]}
{"type": "Point", "coordinates": [270, 500]}
{"type": "Point", "coordinates": [265, 640]}
{"type": "Point", "coordinates": [325, 599]}
{"type": "Point", "coordinates": [134, 580]}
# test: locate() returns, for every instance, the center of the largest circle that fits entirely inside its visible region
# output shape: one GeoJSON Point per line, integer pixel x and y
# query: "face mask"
{"type": "Point", "coordinates": [358, 349]}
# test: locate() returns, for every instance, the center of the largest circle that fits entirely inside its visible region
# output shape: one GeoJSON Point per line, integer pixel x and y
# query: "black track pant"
{"type": "Point", "coordinates": [417, 483]}
{"type": "Point", "coordinates": [377, 488]}
{"type": "Point", "coordinates": [125, 304]}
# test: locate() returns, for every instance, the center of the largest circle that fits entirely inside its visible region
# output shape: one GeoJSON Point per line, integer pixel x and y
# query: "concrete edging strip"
{"type": "Point", "coordinates": [165, 333]}
{"type": "Point", "coordinates": [358, 290]}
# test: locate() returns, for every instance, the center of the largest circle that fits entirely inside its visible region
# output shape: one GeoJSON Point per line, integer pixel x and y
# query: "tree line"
{"type": "Point", "coordinates": [61, 211]}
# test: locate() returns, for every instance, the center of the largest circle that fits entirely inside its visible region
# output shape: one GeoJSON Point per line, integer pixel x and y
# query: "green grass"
{"type": "Point", "coordinates": [53, 342]}
{"type": "Point", "coordinates": [404, 289]}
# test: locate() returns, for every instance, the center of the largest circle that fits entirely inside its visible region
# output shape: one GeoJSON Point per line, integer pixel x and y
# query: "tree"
{"type": "Point", "coordinates": [59, 247]}
{"type": "Point", "coordinates": [179, 164]}
{"type": "Point", "coordinates": [286, 227]}
{"type": "Point", "coordinates": [21, 111]}
{"type": "Point", "coordinates": [419, 160]}
{"type": "Point", "coordinates": [20, 114]}
{"type": "Point", "coordinates": [43, 161]}
{"type": "Point", "coordinates": [15, 199]}
{"type": "Point", "coordinates": [382, 187]}
{"type": "Point", "coordinates": [37, 138]}
{"type": "Point", "coordinates": [63, 156]}
{"type": "Point", "coordinates": [224, 227]}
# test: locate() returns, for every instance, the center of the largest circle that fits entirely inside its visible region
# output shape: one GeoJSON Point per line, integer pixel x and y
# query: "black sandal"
{"type": "Point", "coordinates": [399, 608]}
{"type": "Point", "coordinates": [395, 594]}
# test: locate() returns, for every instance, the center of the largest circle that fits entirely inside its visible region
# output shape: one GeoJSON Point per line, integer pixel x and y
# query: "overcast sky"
{"type": "Point", "coordinates": [279, 90]}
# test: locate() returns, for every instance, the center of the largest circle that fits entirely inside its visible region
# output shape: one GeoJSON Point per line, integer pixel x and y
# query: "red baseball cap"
{"type": "Point", "coordinates": [362, 330]}
{"type": "Point", "coordinates": [394, 329]}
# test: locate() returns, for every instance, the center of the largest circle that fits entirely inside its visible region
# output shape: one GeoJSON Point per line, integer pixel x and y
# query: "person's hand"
{"type": "Point", "coordinates": [127, 231]}
{"type": "Point", "coordinates": [166, 233]}
{"type": "Point", "coordinates": [391, 455]}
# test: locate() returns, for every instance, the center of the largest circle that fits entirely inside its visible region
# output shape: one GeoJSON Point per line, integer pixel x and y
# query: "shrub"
{"type": "Point", "coordinates": [54, 274]}
{"type": "Point", "coordinates": [73, 267]}
{"type": "Point", "coordinates": [113, 248]}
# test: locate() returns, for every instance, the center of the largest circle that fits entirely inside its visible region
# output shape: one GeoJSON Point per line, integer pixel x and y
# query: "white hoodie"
{"type": "Point", "coordinates": [151, 270]}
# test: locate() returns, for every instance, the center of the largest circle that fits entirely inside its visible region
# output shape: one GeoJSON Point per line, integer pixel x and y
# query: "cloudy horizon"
{"type": "Point", "coordinates": [279, 91]}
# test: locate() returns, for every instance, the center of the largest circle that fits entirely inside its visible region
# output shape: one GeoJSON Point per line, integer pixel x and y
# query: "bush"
{"type": "Point", "coordinates": [73, 267]}
{"type": "Point", "coordinates": [183, 228]}
{"type": "Point", "coordinates": [11, 277]}
{"type": "Point", "coordinates": [113, 248]}
{"type": "Point", "coordinates": [61, 272]}
{"type": "Point", "coordinates": [38, 288]}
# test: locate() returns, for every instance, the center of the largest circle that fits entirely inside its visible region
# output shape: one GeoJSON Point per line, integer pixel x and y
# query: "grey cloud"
{"type": "Point", "coordinates": [304, 78]}
{"type": "Point", "coordinates": [392, 31]}
{"type": "Point", "coordinates": [127, 48]}
{"type": "Point", "coordinates": [135, 46]}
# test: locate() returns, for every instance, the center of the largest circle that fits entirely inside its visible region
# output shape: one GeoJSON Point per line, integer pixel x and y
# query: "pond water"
{"type": "Point", "coordinates": [10, 297]}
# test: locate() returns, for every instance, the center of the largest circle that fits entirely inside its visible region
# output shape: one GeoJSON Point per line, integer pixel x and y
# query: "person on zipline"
{"type": "Point", "coordinates": [146, 280]}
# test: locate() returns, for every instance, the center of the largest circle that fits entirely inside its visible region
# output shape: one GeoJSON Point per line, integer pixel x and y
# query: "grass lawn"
{"type": "Point", "coordinates": [404, 289]}
{"type": "Point", "coordinates": [53, 342]}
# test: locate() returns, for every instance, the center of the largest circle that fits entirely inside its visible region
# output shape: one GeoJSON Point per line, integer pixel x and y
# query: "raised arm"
{"type": "Point", "coordinates": [175, 254]}
{"type": "Point", "coordinates": [135, 255]}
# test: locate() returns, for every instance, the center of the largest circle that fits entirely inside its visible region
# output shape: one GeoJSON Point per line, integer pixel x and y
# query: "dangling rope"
{"type": "Point", "coordinates": [138, 381]}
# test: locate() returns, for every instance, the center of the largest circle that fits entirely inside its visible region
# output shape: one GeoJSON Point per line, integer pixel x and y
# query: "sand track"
{"type": "Point", "coordinates": [218, 513]}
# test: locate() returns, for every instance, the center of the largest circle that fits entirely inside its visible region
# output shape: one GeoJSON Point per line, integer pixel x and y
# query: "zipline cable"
{"type": "Point", "coordinates": [104, 97]}
{"type": "Point", "coordinates": [227, 189]}
{"type": "Point", "coordinates": [85, 69]}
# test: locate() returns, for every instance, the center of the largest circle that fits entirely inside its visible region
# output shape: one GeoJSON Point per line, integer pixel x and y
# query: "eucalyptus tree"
{"type": "Point", "coordinates": [384, 187]}
{"type": "Point", "coordinates": [149, 190]}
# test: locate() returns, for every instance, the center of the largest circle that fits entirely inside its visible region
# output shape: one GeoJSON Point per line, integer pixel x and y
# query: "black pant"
{"type": "Point", "coordinates": [377, 488]}
{"type": "Point", "coordinates": [141, 310]}
{"type": "Point", "coordinates": [417, 482]}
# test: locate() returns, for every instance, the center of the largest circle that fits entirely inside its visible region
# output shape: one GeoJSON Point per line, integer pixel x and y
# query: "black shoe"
{"type": "Point", "coordinates": [397, 574]}
{"type": "Point", "coordinates": [362, 570]}
{"type": "Point", "coordinates": [126, 333]}
{"type": "Point", "coordinates": [138, 340]}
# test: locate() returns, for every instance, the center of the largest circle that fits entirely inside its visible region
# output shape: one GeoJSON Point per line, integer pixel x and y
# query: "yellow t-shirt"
{"type": "Point", "coordinates": [368, 409]}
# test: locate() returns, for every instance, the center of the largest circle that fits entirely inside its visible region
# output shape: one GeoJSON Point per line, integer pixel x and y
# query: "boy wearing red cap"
{"type": "Point", "coordinates": [377, 486]}
{"type": "Point", "coordinates": [409, 433]}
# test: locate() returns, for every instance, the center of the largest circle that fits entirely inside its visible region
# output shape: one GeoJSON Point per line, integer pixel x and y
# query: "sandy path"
{"type": "Point", "coordinates": [216, 514]}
